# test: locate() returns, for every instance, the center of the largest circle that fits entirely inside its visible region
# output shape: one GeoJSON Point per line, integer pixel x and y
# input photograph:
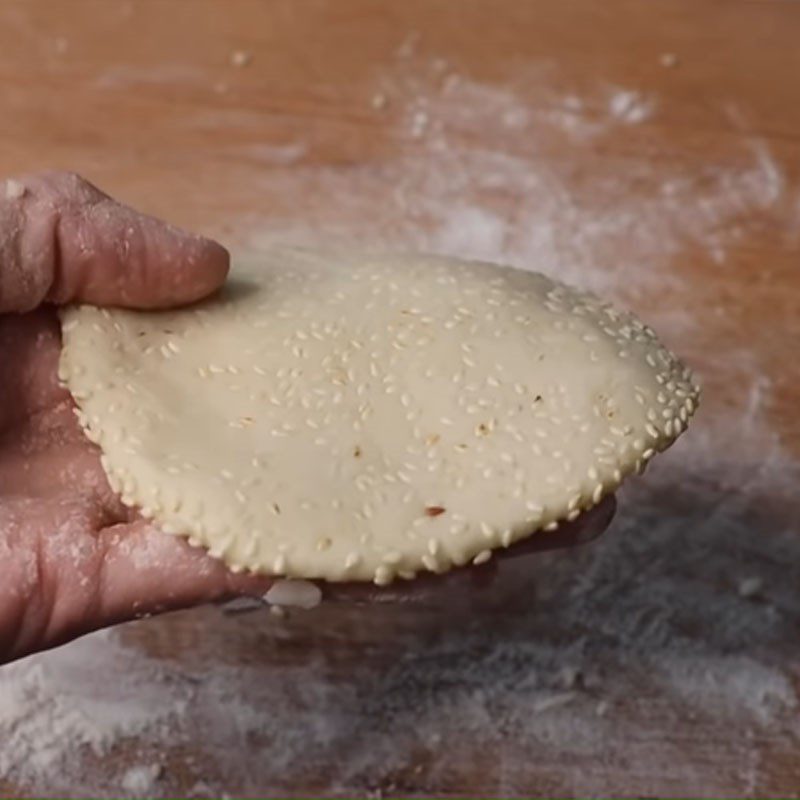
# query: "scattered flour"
{"type": "Point", "coordinates": [668, 60]}
{"type": "Point", "coordinates": [687, 611]}
{"type": "Point", "coordinates": [141, 781]}
{"type": "Point", "coordinates": [80, 699]}
{"type": "Point", "coordinates": [630, 107]}
{"type": "Point", "coordinates": [241, 58]}
{"type": "Point", "coordinates": [14, 190]}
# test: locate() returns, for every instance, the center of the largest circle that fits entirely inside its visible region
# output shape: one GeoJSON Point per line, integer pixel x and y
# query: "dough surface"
{"type": "Point", "coordinates": [361, 417]}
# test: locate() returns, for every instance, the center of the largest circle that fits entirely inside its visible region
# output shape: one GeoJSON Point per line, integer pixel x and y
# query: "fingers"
{"type": "Point", "coordinates": [515, 561]}
{"type": "Point", "coordinates": [146, 571]}
{"type": "Point", "coordinates": [28, 380]}
{"type": "Point", "coordinates": [49, 568]}
{"type": "Point", "coordinates": [62, 240]}
{"type": "Point", "coordinates": [585, 528]}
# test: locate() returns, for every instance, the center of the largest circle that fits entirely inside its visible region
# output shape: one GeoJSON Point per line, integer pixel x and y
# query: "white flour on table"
{"type": "Point", "coordinates": [651, 619]}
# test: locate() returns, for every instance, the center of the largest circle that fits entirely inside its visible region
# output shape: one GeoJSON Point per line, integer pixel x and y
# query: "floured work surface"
{"type": "Point", "coordinates": [660, 660]}
{"type": "Point", "coordinates": [360, 417]}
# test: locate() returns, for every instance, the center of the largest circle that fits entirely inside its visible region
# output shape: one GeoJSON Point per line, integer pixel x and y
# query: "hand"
{"type": "Point", "coordinates": [72, 557]}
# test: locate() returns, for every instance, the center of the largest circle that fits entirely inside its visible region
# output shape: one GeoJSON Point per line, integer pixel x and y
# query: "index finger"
{"type": "Point", "coordinates": [62, 240]}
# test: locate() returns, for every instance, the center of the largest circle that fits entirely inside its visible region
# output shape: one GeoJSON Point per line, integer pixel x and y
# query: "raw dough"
{"type": "Point", "coordinates": [366, 417]}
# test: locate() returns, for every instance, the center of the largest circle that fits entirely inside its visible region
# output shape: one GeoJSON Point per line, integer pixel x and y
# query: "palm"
{"type": "Point", "coordinates": [57, 510]}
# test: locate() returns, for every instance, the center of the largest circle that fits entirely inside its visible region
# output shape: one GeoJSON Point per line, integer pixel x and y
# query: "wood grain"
{"type": "Point", "coordinates": [142, 98]}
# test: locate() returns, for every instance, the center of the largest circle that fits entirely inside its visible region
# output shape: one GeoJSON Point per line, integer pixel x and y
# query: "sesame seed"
{"type": "Point", "coordinates": [383, 576]}
{"type": "Point", "coordinates": [482, 557]}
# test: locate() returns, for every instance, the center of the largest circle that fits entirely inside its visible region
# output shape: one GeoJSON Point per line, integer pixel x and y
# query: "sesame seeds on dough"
{"type": "Point", "coordinates": [360, 417]}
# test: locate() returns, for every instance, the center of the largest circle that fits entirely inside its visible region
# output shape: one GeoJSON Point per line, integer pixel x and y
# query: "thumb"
{"type": "Point", "coordinates": [63, 240]}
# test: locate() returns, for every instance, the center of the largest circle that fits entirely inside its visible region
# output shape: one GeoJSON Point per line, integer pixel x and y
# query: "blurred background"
{"type": "Point", "coordinates": [649, 151]}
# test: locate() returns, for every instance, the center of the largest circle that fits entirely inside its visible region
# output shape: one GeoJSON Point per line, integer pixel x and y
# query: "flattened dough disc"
{"type": "Point", "coordinates": [362, 417]}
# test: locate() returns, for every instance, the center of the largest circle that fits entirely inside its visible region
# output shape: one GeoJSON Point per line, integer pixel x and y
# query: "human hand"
{"type": "Point", "coordinates": [72, 557]}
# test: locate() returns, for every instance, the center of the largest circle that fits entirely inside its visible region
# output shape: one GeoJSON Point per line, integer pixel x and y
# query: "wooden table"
{"type": "Point", "coordinates": [650, 150]}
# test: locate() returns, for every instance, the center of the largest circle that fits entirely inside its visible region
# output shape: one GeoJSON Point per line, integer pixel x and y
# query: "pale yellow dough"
{"type": "Point", "coordinates": [358, 417]}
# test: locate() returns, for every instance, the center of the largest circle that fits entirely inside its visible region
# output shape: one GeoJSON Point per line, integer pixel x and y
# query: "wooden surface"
{"type": "Point", "coordinates": [340, 123]}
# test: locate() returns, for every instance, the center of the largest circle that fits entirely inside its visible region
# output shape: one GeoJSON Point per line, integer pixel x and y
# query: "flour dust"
{"type": "Point", "coordinates": [565, 676]}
